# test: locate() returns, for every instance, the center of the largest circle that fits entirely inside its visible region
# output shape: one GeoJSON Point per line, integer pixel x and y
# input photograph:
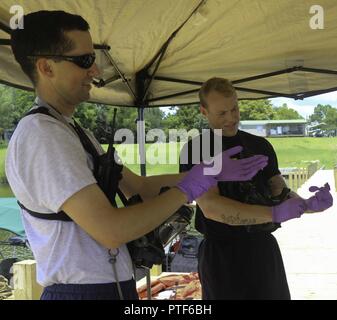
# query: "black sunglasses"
{"type": "Point", "coordinates": [84, 61]}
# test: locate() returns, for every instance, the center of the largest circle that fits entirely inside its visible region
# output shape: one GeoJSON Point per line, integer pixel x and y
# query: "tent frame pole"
{"type": "Point", "coordinates": [141, 141]}
{"type": "Point", "coordinates": [5, 28]}
{"type": "Point", "coordinates": [139, 102]}
{"type": "Point", "coordinates": [271, 94]}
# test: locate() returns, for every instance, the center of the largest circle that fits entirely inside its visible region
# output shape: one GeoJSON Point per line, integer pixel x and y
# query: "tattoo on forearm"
{"type": "Point", "coordinates": [236, 220]}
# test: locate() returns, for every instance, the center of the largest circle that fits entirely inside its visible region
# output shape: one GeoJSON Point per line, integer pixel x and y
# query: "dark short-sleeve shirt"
{"type": "Point", "coordinates": [252, 145]}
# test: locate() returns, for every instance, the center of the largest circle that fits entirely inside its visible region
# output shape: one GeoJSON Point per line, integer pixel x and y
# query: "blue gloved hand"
{"type": "Point", "coordinates": [322, 199]}
{"type": "Point", "coordinates": [289, 209]}
{"type": "Point", "coordinates": [202, 176]}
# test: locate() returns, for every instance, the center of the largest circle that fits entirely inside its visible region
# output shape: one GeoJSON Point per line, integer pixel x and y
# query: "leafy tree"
{"type": "Point", "coordinates": [264, 110]}
{"type": "Point", "coordinates": [127, 118]}
{"type": "Point", "coordinates": [98, 118]}
{"type": "Point", "coordinates": [285, 113]}
{"type": "Point", "coordinates": [154, 118]}
{"type": "Point", "coordinates": [86, 115]}
{"type": "Point", "coordinates": [331, 119]}
{"type": "Point", "coordinates": [256, 110]}
{"type": "Point", "coordinates": [14, 103]}
{"type": "Point", "coordinates": [186, 117]}
{"type": "Point", "coordinates": [320, 113]}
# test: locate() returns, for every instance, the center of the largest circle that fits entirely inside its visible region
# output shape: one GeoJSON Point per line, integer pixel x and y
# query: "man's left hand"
{"type": "Point", "coordinates": [322, 199]}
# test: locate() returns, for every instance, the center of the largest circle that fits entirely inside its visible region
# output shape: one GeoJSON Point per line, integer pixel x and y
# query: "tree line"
{"type": "Point", "coordinates": [14, 103]}
{"type": "Point", "coordinates": [325, 116]}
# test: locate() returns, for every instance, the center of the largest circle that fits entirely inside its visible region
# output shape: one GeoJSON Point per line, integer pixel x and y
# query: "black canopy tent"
{"type": "Point", "coordinates": [158, 52]}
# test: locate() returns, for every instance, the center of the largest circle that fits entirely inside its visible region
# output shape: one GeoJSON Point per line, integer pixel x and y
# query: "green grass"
{"type": "Point", "coordinates": [162, 153]}
{"type": "Point", "coordinates": [291, 152]}
{"type": "Point", "coordinates": [2, 164]}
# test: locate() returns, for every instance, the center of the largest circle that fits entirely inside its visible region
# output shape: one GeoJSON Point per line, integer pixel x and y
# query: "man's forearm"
{"type": "Point", "coordinates": [153, 213]}
{"type": "Point", "coordinates": [146, 187]}
{"type": "Point", "coordinates": [153, 184]}
{"type": "Point", "coordinates": [112, 227]}
{"type": "Point", "coordinates": [233, 212]}
{"type": "Point", "coordinates": [277, 183]}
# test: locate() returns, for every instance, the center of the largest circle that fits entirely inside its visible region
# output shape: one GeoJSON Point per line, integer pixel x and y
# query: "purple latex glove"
{"type": "Point", "coordinates": [202, 177]}
{"type": "Point", "coordinates": [322, 199]}
{"type": "Point", "coordinates": [289, 209]}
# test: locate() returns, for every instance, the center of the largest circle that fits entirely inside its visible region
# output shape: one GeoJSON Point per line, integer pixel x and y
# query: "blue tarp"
{"type": "Point", "coordinates": [10, 216]}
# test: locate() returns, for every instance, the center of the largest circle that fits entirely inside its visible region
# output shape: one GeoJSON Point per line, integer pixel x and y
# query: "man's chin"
{"type": "Point", "coordinates": [84, 97]}
{"type": "Point", "coordinates": [229, 132]}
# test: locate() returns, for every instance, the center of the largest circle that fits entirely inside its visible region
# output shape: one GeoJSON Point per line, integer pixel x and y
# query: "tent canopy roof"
{"type": "Point", "coordinates": [161, 51]}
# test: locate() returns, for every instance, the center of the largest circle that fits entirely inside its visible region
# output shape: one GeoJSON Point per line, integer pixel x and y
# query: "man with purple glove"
{"type": "Point", "coordinates": [75, 232]}
{"type": "Point", "coordinates": [322, 199]}
{"type": "Point", "coordinates": [295, 206]}
{"type": "Point", "coordinates": [239, 258]}
{"type": "Point", "coordinates": [241, 170]}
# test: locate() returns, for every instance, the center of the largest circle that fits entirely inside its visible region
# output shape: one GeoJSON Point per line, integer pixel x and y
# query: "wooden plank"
{"type": "Point", "coordinates": [301, 180]}
{"type": "Point", "coordinates": [25, 285]}
{"type": "Point", "coordinates": [295, 180]}
{"type": "Point", "coordinates": [306, 175]}
{"type": "Point", "coordinates": [291, 181]}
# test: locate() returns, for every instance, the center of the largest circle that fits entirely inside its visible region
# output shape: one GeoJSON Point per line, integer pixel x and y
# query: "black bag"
{"type": "Point", "coordinates": [149, 249]}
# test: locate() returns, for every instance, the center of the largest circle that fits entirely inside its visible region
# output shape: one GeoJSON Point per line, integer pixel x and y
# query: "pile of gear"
{"type": "Point", "coordinates": [149, 249]}
{"type": "Point", "coordinates": [5, 289]}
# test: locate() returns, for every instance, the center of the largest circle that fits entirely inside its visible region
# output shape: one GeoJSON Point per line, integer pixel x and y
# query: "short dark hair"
{"type": "Point", "coordinates": [43, 33]}
{"type": "Point", "coordinates": [220, 85]}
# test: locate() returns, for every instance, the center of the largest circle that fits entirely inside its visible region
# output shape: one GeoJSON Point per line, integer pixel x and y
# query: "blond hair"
{"type": "Point", "coordinates": [220, 85]}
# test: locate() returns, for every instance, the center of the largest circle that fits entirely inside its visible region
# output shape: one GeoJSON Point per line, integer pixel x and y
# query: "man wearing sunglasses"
{"type": "Point", "coordinates": [74, 231]}
{"type": "Point", "coordinates": [84, 61]}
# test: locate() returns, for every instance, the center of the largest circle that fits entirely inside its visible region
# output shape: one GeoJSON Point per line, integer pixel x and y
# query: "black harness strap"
{"type": "Point", "coordinates": [88, 146]}
{"type": "Point", "coordinates": [61, 215]}
{"type": "Point", "coordinates": [42, 110]}
{"type": "Point", "coordinates": [85, 141]}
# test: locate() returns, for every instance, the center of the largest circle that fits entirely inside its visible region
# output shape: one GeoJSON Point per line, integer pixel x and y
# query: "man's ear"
{"type": "Point", "coordinates": [44, 67]}
{"type": "Point", "coordinates": [203, 110]}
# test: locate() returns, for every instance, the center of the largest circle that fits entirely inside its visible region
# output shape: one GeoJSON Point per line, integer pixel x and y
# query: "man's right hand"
{"type": "Point", "coordinates": [289, 209]}
{"type": "Point", "coordinates": [239, 170]}
{"type": "Point", "coordinates": [202, 177]}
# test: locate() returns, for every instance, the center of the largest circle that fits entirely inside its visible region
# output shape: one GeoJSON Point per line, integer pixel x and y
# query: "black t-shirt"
{"type": "Point", "coordinates": [252, 145]}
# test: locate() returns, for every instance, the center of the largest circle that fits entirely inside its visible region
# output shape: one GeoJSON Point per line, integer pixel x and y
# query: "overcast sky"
{"type": "Point", "coordinates": [306, 107]}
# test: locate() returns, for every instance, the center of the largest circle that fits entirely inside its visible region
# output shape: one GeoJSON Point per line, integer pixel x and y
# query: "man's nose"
{"type": "Point", "coordinates": [230, 117]}
{"type": "Point", "coordinates": [94, 71]}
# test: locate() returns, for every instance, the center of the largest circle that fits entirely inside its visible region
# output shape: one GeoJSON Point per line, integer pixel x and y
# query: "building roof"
{"type": "Point", "coordinates": [264, 122]}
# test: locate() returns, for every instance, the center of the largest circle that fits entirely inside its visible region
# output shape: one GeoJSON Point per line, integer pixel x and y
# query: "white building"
{"type": "Point", "coordinates": [275, 128]}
